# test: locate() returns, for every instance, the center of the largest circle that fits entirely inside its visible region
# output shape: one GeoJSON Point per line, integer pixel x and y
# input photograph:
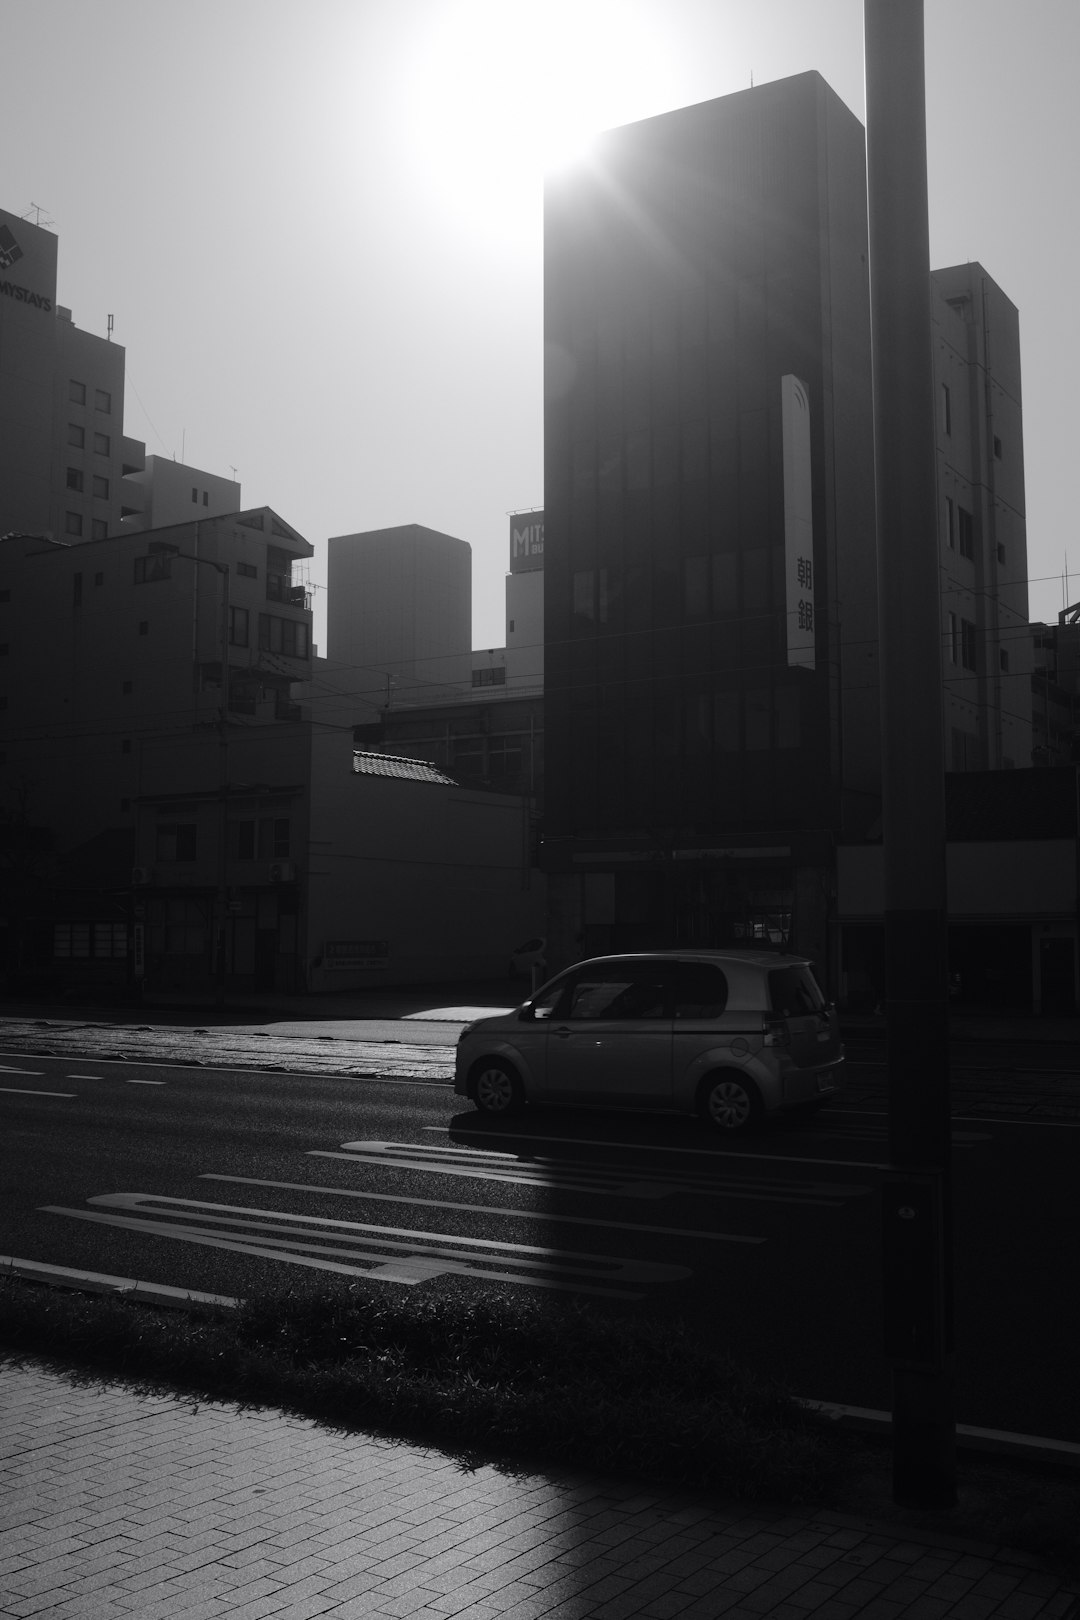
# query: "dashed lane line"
{"type": "Point", "coordinates": [378, 1253]}
{"type": "Point", "coordinates": [550, 1216]}
{"type": "Point", "coordinates": [583, 1176]}
{"type": "Point", "coordinates": [29, 1091]}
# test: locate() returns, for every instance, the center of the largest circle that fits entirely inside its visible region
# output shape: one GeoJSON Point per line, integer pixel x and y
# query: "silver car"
{"type": "Point", "coordinates": [730, 1035]}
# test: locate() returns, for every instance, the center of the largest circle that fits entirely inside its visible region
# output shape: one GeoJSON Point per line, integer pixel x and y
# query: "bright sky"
{"type": "Point", "coordinates": [318, 226]}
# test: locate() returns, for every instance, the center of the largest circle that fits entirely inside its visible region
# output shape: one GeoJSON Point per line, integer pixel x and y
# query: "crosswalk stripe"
{"type": "Point", "coordinates": [551, 1217]}
{"type": "Point", "coordinates": [585, 1176]}
{"type": "Point", "coordinates": [379, 1253]}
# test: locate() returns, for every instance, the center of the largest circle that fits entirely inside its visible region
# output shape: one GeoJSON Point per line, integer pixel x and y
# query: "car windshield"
{"type": "Point", "coordinates": [794, 992]}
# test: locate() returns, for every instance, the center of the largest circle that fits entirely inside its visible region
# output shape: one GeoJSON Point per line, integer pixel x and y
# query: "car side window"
{"type": "Point", "coordinates": [618, 993]}
{"type": "Point", "coordinates": [701, 991]}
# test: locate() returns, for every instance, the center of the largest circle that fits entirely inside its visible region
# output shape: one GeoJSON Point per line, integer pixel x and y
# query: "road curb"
{"type": "Point", "coordinates": [969, 1437]}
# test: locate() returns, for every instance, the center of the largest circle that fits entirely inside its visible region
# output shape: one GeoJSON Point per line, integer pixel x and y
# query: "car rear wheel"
{"type": "Point", "coordinates": [496, 1089]}
{"type": "Point", "coordinates": [729, 1102]}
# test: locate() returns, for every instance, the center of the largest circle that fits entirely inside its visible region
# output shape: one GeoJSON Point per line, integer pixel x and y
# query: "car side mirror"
{"type": "Point", "coordinates": [527, 1013]}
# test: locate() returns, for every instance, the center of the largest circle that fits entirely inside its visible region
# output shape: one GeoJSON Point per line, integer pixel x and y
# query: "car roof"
{"type": "Point", "coordinates": [743, 957]}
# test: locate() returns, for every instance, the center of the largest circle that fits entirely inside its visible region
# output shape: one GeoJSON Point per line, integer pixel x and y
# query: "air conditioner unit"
{"type": "Point", "coordinates": [282, 872]}
{"type": "Point", "coordinates": [141, 875]}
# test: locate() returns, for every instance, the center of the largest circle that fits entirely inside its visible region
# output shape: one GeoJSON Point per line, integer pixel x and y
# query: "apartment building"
{"type": "Point", "coordinates": [66, 464]}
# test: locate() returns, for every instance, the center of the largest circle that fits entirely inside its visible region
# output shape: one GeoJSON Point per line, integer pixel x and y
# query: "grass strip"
{"type": "Point", "coordinates": [526, 1381]}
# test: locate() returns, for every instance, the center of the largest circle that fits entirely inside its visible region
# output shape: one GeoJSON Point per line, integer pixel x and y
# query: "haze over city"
{"type": "Point", "coordinates": [319, 231]}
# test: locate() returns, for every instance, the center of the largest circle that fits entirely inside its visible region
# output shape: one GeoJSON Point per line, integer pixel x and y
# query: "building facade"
{"type": "Point", "coordinates": [399, 616]}
{"type": "Point", "coordinates": [66, 462]}
{"type": "Point", "coordinates": [986, 643]}
{"type": "Point", "coordinates": [152, 714]}
{"type": "Point", "coordinates": [710, 619]}
{"type": "Point", "coordinates": [172, 492]}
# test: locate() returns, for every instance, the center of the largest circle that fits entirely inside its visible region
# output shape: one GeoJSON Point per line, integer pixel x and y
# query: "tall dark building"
{"type": "Point", "coordinates": [710, 617]}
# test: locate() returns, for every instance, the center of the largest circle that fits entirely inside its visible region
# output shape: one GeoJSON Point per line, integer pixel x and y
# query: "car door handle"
{"type": "Point", "coordinates": [563, 1034]}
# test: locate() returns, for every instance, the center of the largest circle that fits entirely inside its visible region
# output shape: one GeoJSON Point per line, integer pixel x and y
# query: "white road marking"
{"type": "Point", "coordinates": [5, 1068]}
{"type": "Point", "coordinates": [661, 1147]}
{"type": "Point", "coordinates": [28, 1091]}
{"type": "Point", "coordinates": [487, 1209]}
{"type": "Point", "coordinates": [379, 1253]}
{"type": "Point", "coordinates": [132, 1082]}
{"type": "Point", "coordinates": [583, 1176]}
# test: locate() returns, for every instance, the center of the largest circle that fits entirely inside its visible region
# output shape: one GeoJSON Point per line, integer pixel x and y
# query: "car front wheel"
{"type": "Point", "coordinates": [729, 1102]}
{"type": "Point", "coordinates": [496, 1088]}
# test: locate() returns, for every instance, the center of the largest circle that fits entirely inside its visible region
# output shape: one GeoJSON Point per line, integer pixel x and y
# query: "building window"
{"type": "Point", "coordinates": [242, 840]}
{"type": "Point", "coordinates": [238, 626]}
{"type": "Point", "coordinates": [206, 497]}
{"type": "Point", "coordinates": [967, 644]}
{"type": "Point", "coordinates": [946, 408]}
{"type": "Point", "coordinates": [1003, 660]}
{"type": "Point", "coordinates": [75, 479]}
{"type": "Point", "coordinates": [100, 487]}
{"type": "Point", "coordinates": [281, 837]}
{"type": "Point", "coordinates": [194, 497]}
{"type": "Point", "coordinates": [99, 529]}
{"type": "Point", "coordinates": [491, 675]}
{"type": "Point", "coordinates": [248, 570]}
{"type": "Point", "coordinates": [176, 841]}
{"type": "Point", "coordinates": [966, 529]}
{"type": "Point", "coordinates": [99, 579]}
{"type": "Point", "coordinates": [100, 940]}
{"type": "Point", "coordinates": [76, 435]}
{"type": "Point", "coordinates": [1001, 554]}
{"type": "Point", "coordinates": [102, 400]}
{"type": "Point", "coordinates": [288, 636]}
{"type": "Point", "coordinates": [77, 392]}
{"type": "Point", "coordinates": [102, 444]}
{"type": "Point", "coordinates": [997, 447]}
{"type": "Point", "coordinates": [72, 523]}
{"type": "Point", "coordinates": [954, 639]}
{"type": "Point", "coordinates": [950, 522]}
{"type": "Point", "coordinates": [149, 569]}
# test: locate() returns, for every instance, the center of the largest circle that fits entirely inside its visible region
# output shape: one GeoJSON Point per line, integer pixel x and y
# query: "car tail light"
{"type": "Point", "coordinates": [777, 1032]}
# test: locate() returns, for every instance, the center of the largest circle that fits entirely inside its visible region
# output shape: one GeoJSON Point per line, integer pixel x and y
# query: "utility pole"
{"type": "Point", "coordinates": [916, 1201]}
{"type": "Point", "coordinates": [222, 930]}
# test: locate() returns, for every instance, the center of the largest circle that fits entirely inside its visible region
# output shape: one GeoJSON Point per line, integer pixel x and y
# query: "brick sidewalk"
{"type": "Point", "coordinates": [114, 1504]}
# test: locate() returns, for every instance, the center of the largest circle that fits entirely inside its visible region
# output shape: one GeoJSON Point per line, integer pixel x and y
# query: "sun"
{"type": "Point", "coordinates": [499, 92]}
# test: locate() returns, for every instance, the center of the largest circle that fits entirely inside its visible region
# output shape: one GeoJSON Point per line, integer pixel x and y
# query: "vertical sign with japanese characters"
{"type": "Point", "coordinates": [798, 522]}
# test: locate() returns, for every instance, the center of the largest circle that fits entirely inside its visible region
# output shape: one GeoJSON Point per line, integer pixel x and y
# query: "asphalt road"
{"type": "Point", "coordinates": [227, 1180]}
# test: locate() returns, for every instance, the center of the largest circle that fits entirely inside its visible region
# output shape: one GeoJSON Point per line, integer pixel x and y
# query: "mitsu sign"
{"type": "Point", "coordinates": [526, 541]}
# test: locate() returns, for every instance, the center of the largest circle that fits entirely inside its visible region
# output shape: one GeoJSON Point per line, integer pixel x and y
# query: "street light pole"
{"type": "Point", "coordinates": [916, 1204]}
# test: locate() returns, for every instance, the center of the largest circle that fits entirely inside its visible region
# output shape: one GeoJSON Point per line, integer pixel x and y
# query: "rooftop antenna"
{"type": "Point", "coordinates": [108, 335]}
{"type": "Point", "coordinates": [183, 445]}
{"type": "Point", "coordinates": [39, 211]}
{"type": "Point", "coordinates": [232, 469]}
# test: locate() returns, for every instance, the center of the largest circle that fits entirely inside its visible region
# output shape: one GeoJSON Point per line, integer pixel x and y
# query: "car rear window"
{"type": "Point", "coordinates": [793, 991]}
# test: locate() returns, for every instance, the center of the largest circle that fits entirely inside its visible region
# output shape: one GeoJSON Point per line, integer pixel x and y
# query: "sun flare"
{"type": "Point", "coordinates": [502, 91]}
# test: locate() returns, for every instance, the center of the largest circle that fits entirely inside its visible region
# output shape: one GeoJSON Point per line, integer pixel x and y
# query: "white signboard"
{"type": "Point", "coordinates": [798, 522]}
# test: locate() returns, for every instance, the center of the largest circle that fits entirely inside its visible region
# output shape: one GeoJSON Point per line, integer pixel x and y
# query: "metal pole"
{"type": "Point", "coordinates": [223, 870]}
{"type": "Point", "coordinates": [916, 1207]}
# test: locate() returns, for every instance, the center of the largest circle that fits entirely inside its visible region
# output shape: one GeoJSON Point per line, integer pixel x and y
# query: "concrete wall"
{"type": "Point", "coordinates": [438, 873]}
